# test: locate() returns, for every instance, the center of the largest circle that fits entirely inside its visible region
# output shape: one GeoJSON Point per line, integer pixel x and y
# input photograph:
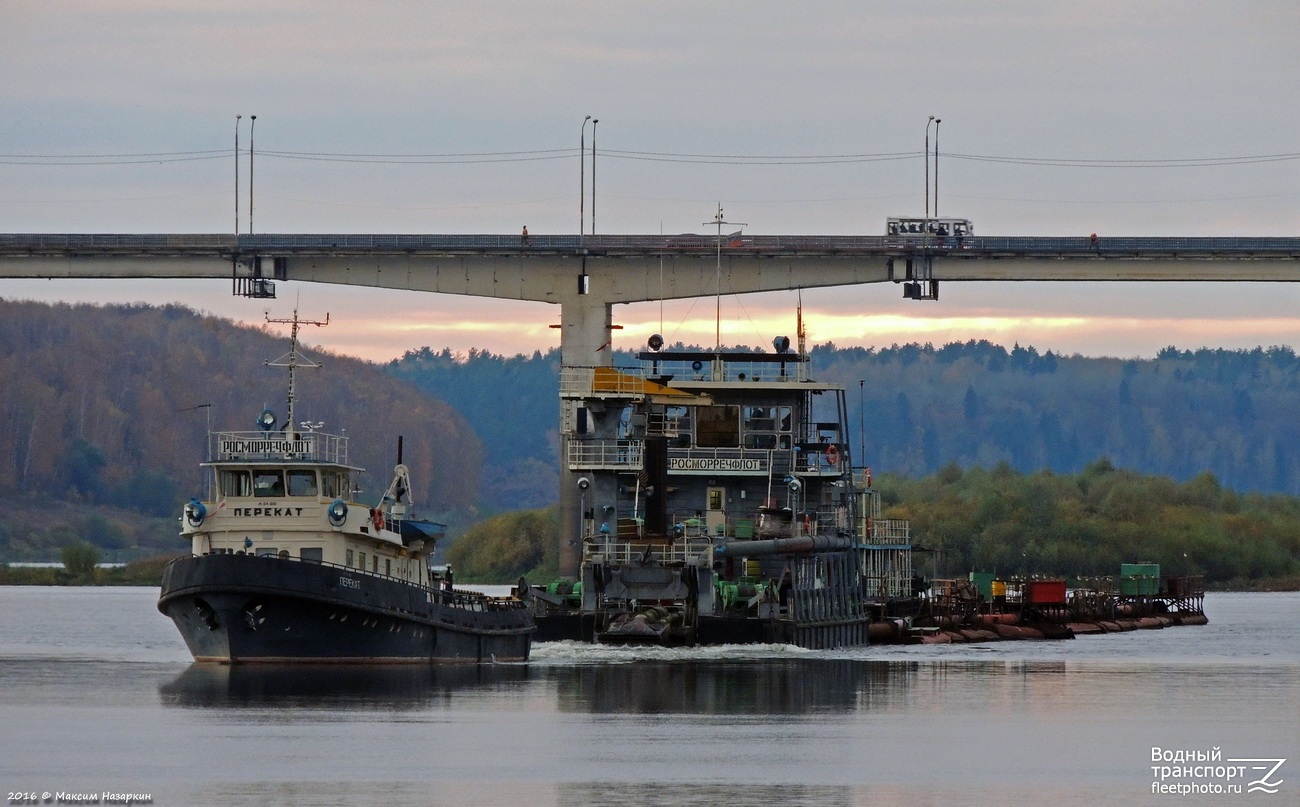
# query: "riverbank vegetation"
{"type": "Point", "coordinates": [975, 519]}
{"type": "Point", "coordinates": [143, 572]}
{"type": "Point", "coordinates": [1087, 524]}
{"type": "Point", "coordinates": [1000, 520]}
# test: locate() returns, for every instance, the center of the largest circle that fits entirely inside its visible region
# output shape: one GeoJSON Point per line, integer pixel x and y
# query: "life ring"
{"type": "Point", "coordinates": [377, 518]}
{"type": "Point", "coordinates": [832, 455]}
{"type": "Point", "coordinates": [868, 480]}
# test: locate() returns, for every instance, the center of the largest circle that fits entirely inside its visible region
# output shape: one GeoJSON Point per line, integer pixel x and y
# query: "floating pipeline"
{"type": "Point", "coordinates": [951, 629]}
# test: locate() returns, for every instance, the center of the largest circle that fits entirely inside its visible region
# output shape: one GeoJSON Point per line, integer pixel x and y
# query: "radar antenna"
{"type": "Point", "coordinates": [293, 360]}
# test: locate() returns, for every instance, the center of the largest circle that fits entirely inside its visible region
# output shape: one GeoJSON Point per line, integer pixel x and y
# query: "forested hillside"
{"type": "Point", "coordinates": [513, 403]}
{"type": "Point", "coordinates": [1181, 413]}
{"type": "Point", "coordinates": [1229, 412]}
{"type": "Point", "coordinates": [109, 405]}
{"type": "Point", "coordinates": [999, 520]}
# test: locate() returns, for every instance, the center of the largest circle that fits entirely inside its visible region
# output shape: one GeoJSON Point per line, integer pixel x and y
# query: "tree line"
{"type": "Point", "coordinates": [104, 420]}
{"type": "Point", "coordinates": [975, 403]}
{"type": "Point", "coordinates": [1078, 526]}
{"type": "Point", "coordinates": [105, 412]}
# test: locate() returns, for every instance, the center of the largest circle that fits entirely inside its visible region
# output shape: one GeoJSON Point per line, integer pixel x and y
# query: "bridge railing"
{"type": "Point", "coordinates": [688, 243]}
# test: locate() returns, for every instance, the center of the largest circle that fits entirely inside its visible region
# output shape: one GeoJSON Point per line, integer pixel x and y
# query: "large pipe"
{"type": "Point", "coordinates": [783, 546]}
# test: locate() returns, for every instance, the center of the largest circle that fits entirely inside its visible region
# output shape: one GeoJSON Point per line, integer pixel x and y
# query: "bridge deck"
{"type": "Point", "coordinates": [86, 245]}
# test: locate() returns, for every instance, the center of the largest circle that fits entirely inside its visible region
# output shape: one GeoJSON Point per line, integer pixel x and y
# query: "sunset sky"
{"type": "Point", "coordinates": [1120, 118]}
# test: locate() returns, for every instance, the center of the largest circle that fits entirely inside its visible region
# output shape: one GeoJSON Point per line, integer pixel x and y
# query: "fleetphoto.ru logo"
{"type": "Point", "coordinates": [1198, 772]}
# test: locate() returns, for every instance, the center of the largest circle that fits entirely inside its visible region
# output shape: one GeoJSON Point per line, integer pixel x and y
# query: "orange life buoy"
{"type": "Point", "coordinates": [377, 518]}
{"type": "Point", "coordinates": [868, 477]}
{"type": "Point", "coordinates": [832, 455]}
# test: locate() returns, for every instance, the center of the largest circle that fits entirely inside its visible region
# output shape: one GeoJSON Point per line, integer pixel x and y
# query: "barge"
{"type": "Point", "coordinates": [720, 503]}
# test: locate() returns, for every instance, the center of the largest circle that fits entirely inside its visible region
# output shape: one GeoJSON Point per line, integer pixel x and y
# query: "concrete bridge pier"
{"type": "Point", "coordinates": [585, 341]}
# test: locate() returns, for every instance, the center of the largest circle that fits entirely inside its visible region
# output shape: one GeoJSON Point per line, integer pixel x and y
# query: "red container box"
{"type": "Point", "coordinates": [1045, 592]}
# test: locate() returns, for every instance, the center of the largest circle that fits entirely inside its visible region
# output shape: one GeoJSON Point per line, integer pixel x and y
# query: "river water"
{"type": "Point", "coordinates": [97, 695]}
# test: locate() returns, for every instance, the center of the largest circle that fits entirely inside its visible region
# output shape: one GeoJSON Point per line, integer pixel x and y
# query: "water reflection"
{"type": "Point", "coordinates": [337, 686]}
{"type": "Point", "coordinates": [603, 794]}
{"type": "Point", "coordinates": [799, 686]}
{"type": "Point", "coordinates": [802, 686]}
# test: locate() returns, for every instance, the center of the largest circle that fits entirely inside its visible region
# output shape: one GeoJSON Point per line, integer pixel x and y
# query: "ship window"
{"type": "Point", "coordinates": [767, 427]}
{"type": "Point", "coordinates": [717, 426]}
{"type": "Point", "coordinates": [374, 564]}
{"type": "Point", "coordinates": [388, 567]}
{"type": "Point", "coordinates": [334, 484]}
{"type": "Point", "coordinates": [268, 483]}
{"type": "Point", "coordinates": [312, 554]}
{"type": "Point", "coordinates": [235, 484]}
{"type": "Point", "coordinates": [347, 560]}
{"type": "Point", "coordinates": [302, 483]}
{"type": "Point", "coordinates": [760, 419]}
{"type": "Point", "coordinates": [677, 425]}
{"type": "Point", "coordinates": [267, 552]}
{"type": "Point", "coordinates": [362, 564]}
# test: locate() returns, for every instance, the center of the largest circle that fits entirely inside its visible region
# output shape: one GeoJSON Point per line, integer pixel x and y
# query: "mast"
{"type": "Point", "coordinates": [717, 299]}
{"type": "Point", "coordinates": [293, 359]}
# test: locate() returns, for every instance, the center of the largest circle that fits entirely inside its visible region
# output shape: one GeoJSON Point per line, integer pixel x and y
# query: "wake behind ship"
{"type": "Point", "coordinates": [287, 566]}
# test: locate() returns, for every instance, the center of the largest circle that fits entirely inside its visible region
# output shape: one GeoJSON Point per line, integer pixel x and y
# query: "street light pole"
{"type": "Point", "coordinates": [237, 117]}
{"type": "Point", "coordinates": [936, 166]}
{"type": "Point", "coordinates": [251, 126]}
{"type": "Point", "coordinates": [582, 179]}
{"type": "Point", "coordinates": [593, 175]}
{"type": "Point", "coordinates": [927, 167]}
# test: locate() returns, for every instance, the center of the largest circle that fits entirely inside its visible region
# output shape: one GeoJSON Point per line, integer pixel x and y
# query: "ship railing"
{"type": "Point", "coordinates": [311, 446]}
{"type": "Point", "coordinates": [460, 598]}
{"type": "Point", "coordinates": [664, 423]}
{"type": "Point", "coordinates": [583, 455]}
{"type": "Point", "coordinates": [891, 531]}
{"type": "Point", "coordinates": [678, 552]}
{"type": "Point", "coordinates": [887, 572]}
{"type": "Point", "coordinates": [732, 369]}
{"type": "Point", "coordinates": [587, 382]}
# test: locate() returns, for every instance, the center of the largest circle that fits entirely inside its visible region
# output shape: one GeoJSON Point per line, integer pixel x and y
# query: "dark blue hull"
{"type": "Point", "coordinates": [241, 608]}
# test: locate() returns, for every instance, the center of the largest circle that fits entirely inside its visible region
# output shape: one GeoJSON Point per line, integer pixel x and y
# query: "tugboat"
{"type": "Point", "coordinates": [720, 504]}
{"type": "Point", "coordinates": [287, 566]}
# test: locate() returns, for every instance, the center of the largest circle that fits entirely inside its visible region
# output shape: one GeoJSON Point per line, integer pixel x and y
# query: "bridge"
{"type": "Point", "coordinates": [587, 275]}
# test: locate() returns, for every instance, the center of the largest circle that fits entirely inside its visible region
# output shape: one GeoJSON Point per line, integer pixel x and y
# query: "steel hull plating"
{"type": "Point", "coordinates": [240, 608]}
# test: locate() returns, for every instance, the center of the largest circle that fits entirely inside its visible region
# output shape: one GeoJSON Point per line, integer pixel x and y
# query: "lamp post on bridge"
{"type": "Point", "coordinates": [936, 122]}
{"type": "Point", "coordinates": [936, 166]}
{"type": "Point", "coordinates": [237, 117]}
{"type": "Point", "coordinates": [594, 121]}
{"type": "Point", "coordinates": [926, 160]}
{"type": "Point", "coordinates": [582, 179]}
{"type": "Point", "coordinates": [252, 124]}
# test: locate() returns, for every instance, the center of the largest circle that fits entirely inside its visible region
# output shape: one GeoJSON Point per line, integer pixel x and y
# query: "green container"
{"type": "Point", "coordinates": [1135, 585]}
{"type": "Point", "coordinates": [1139, 570]}
{"type": "Point", "coordinates": [983, 583]}
{"type": "Point", "coordinates": [1139, 579]}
